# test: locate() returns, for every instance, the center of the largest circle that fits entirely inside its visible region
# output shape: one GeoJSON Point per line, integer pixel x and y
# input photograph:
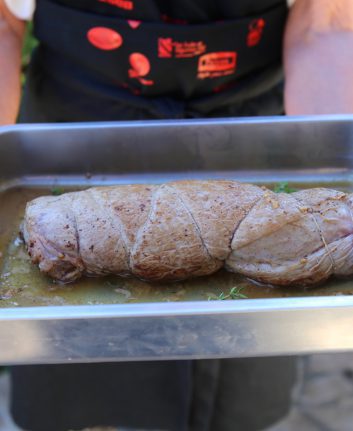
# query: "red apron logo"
{"type": "Point", "coordinates": [165, 47]}
{"type": "Point", "coordinates": [122, 4]}
{"type": "Point", "coordinates": [104, 38]}
{"type": "Point", "coordinates": [168, 48]}
{"type": "Point", "coordinates": [256, 28]}
{"type": "Point", "coordinates": [140, 67]}
{"type": "Point", "coordinates": [217, 64]}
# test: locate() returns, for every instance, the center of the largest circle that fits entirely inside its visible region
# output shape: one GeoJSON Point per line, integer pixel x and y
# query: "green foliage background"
{"type": "Point", "coordinates": [29, 43]}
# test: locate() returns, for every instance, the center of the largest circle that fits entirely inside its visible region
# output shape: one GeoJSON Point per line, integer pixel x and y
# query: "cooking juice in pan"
{"type": "Point", "coordinates": [21, 283]}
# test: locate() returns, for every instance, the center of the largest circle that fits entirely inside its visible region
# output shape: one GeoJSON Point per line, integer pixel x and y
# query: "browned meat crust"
{"type": "Point", "coordinates": [192, 228]}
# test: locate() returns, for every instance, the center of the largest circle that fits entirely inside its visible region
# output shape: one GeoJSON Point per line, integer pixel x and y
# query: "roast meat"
{"type": "Point", "coordinates": [192, 228]}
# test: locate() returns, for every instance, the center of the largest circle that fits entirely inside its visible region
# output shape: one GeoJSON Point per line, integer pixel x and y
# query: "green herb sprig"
{"type": "Point", "coordinates": [283, 187]}
{"type": "Point", "coordinates": [57, 191]}
{"type": "Point", "coordinates": [234, 293]}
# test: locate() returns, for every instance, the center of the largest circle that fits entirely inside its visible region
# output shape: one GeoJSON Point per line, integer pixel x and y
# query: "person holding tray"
{"type": "Point", "coordinates": [108, 60]}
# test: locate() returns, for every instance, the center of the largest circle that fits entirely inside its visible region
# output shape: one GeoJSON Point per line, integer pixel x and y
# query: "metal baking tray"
{"type": "Point", "coordinates": [118, 319]}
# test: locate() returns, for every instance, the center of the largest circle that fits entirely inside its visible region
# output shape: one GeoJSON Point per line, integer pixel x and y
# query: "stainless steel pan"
{"type": "Point", "coordinates": [110, 319]}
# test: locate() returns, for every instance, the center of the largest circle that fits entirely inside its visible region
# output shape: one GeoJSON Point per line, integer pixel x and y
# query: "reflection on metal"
{"type": "Point", "coordinates": [303, 150]}
{"type": "Point", "coordinates": [21, 341]}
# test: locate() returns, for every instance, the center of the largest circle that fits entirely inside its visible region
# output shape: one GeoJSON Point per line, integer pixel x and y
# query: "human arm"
{"type": "Point", "coordinates": [11, 39]}
{"type": "Point", "coordinates": [318, 57]}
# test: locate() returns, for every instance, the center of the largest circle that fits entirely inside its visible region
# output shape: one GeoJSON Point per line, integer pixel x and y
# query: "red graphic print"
{"type": "Point", "coordinates": [134, 23]}
{"type": "Point", "coordinates": [168, 48]}
{"type": "Point", "coordinates": [165, 47]}
{"type": "Point", "coordinates": [122, 4]}
{"type": "Point", "coordinates": [104, 38]}
{"type": "Point", "coordinates": [256, 28]}
{"type": "Point", "coordinates": [140, 67]}
{"type": "Point", "coordinates": [217, 64]}
{"type": "Point", "coordinates": [189, 49]}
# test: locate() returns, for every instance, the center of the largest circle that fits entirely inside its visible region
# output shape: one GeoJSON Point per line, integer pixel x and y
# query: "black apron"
{"type": "Point", "coordinates": [145, 59]}
{"type": "Point", "coordinates": [123, 59]}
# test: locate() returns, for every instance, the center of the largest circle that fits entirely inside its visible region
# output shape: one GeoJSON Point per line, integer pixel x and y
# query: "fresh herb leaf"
{"type": "Point", "coordinates": [283, 187]}
{"type": "Point", "coordinates": [234, 293]}
{"type": "Point", "coordinates": [56, 191]}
